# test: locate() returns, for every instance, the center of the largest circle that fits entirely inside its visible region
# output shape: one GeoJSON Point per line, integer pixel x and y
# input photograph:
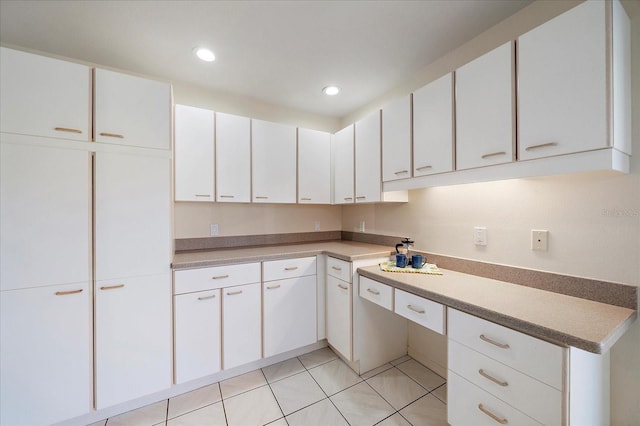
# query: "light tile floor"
{"type": "Point", "coordinates": [315, 389]}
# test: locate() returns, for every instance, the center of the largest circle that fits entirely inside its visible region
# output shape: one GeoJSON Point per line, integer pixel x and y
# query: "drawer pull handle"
{"type": "Point", "coordinates": [305, 199]}
{"type": "Point", "coordinates": [542, 145]}
{"type": "Point", "coordinates": [207, 297]}
{"type": "Point", "coordinates": [348, 198]}
{"type": "Point", "coordinates": [361, 197]}
{"type": "Point", "coordinates": [226, 196]}
{"type": "Point", "coordinates": [66, 129]}
{"type": "Point", "coordinates": [291, 268]}
{"type": "Point", "coordinates": [112, 287]}
{"type": "Point", "coordinates": [220, 277]}
{"type": "Point", "coordinates": [493, 379]}
{"type": "Point", "coordinates": [500, 420]}
{"type": "Point", "coordinates": [203, 195]}
{"type": "Point", "coordinates": [112, 135]}
{"type": "Point", "coordinates": [423, 168]}
{"type": "Point", "coordinates": [66, 293]}
{"type": "Point", "coordinates": [343, 287]}
{"type": "Point", "coordinates": [273, 287]}
{"type": "Point", "coordinates": [493, 342]}
{"type": "Point", "coordinates": [417, 310]}
{"type": "Point", "coordinates": [401, 172]}
{"type": "Point", "coordinates": [372, 291]}
{"type": "Point", "coordinates": [337, 268]}
{"type": "Point", "coordinates": [493, 154]}
{"type": "Point", "coordinates": [261, 197]}
{"type": "Point", "coordinates": [234, 293]}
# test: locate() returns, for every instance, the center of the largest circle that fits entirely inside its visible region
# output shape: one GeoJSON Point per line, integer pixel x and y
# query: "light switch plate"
{"type": "Point", "coordinates": [214, 230]}
{"type": "Point", "coordinates": [480, 236]}
{"type": "Point", "coordinates": [539, 240]}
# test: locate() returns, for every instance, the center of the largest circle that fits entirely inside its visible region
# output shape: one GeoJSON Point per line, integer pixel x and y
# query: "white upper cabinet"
{"type": "Point", "coordinates": [131, 110]}
{"type": "Point", "coordinates": [564, 87]}
{"type": "Point", "coordinates": [314, 167]}
{"type": "Point", "coordinates": [433, 127]}
{"type": "Point", "coordinates": [273, 162]}
{"type": "Point", "coordinates": [44, 97]}
{"type": "Point", "coordinates": [233, 158]}
{"type": "Point", "coordinates": [367, 143]}
{"type": "Point", "coordinates": [485, 113]}
{"type": "Point", "coordinates": [342, 151]}
{"type": "Point", "coordinates": [396, 139]}
{"type": "Point", "coordinates": [193, 161]}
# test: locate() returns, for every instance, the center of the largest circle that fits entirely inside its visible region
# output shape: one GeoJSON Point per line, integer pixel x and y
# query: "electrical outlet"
{"type": "Point", "coordinates": [361, 226]}
{"type": "Point", "coordinates": [539, 240]}
{"type": "Point", "coordinates": [214, 229]}
{"type": "Point", "coordinates": [480, 236]}
{"type": "Point", "coordinates": [316, 225]}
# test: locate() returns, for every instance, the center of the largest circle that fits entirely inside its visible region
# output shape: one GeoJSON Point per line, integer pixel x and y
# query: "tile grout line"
{"type": "Point", "coordinates": [275, 398]}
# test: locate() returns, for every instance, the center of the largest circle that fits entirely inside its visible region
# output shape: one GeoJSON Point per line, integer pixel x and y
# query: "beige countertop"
{"type": "Point", "coordinates": [565, 320]}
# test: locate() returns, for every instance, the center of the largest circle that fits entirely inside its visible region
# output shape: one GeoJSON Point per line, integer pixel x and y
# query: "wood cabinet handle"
{"type": "Point", "coordinates": [337, 268]}
{"type": "Point", "coordinates": [112, 135]}
{"type": "Point", "coordinates": [500, 420]}
{"type": "Point", "coordinates": [112, 287]}
{"type": "Point", "coordinates": [423, 168]}
{"type": "Point", "coordinates": [273, 287]}
{"type": "Point", "coordinates": [234, 293]}
{"type": "Point", "coordinates": [401, 172]}
{"type": "Point", "coordinates": [493, 379]}
{"type": "Point", "coordinates": [343, 287]}
{"type": "Point", "coordinates": [372, 291]}
{"type": "Point", "coordinates": [207, 297]}
{"type": "Point", "coordinates": [68, 292]}
{"type": "Point", "coordinates": [417, 310]}
{"type": "Point", "coordinates": [362, 197]}
{"type": "Point", "coordinates": [493, 154]}
{"type": "Point", "coordinates": [348, 198]}
{"type": "Point", "coordinates": [226, 196]}
{"type": "Point", "coordinates": [220, 277]}
{"type": "Point", "coordinates": [203, 195]}
{"type": "Point", "coordinates": [66, 129]}
{"type": "Point", "coordinates": [291, 268]}
{"type": "Point", "coordinates": [261, 197]}
{"type": "Point", "coordinates": [542, 145]}
{"type": "Point", "coordinates": [493, 342]}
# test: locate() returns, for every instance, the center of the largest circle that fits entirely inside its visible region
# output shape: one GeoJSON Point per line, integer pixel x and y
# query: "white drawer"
{"type": "Point", "coordinates": [532, 356]}
{"type": "Point", "coordinates": [467, 405]}
{"type": "Point", "coordinates": [420, 310]}
{"type": "Point", "coordinates": [190, 280]}
{"type": "Point", "coordinates": [534, 398]}
{"type": "Point", "coordinates": [289, 268]}
{"type": "Point", "coordinates": [376, 292]}
{"type": "Point", "coordinates": [339, 269]}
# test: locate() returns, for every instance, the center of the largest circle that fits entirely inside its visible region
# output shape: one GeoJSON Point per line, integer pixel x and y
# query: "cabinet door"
{"type": "Point", "coordinates": [367, 142]}
{"type": "Point", "coordinates": [132, 338]}
{"type": "Point", "coordinates": [45, 200]}
{"type": "Point", "coordinates": [241, 325]}
{"type": "Point", "coordinates": [197, 325]}
{"type": "Point", "coordinates": [194, 172]}
{"type": "Point", "coordinates": [273, 162]}
{"type": "Point", "coordinates": [433, 127]}
{"type": "Point", "coordinates": [44, 97]}
{"type": "Point", "coordinates": [562, 84]}
{"type": "Point", "coordinates": [485, 110]}
{"type": "Point", "coordinates": [233, 158]}
{"type": "Point", "coordinates": [396, 139]}
{"type": "Point", "coordinates": [342, 152]}
{"type": "Point", "coordinates": [339, 324]}
{"type": "Point", "coordinates": [132, 215]}
{"type": "Point", "coordinates": [45, 354]}
{"type": "Point", "coordinates": [131, 110]}
{"type": "Point", "coordinates": [289, 314]}
{"type": "Point", "coordinates": [314, 167]}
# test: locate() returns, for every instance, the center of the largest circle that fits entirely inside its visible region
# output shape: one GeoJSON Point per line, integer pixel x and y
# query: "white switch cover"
{"type": "Point", "coordinates": [316, 225]}
{"type": "Point", "coordinates": [480, 236]}
{"type": "Point", "coordinates": [214, 229]}
{"type": "Point", "coordinates": [361, 226]}
{"type": "Point", "coordinates": [539, 240]}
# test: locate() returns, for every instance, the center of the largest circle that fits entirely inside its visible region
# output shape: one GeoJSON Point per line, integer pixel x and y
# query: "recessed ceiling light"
{"type": "Point", "coordinates": [331, 90]}
{"type": "Point", "coordinates": [204, 54]}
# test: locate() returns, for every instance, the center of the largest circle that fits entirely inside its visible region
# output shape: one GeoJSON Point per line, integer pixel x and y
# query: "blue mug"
{"type": "Point", "coordinates": [417, 261]}
{"type": "Point", "coordinates": [401, 260]}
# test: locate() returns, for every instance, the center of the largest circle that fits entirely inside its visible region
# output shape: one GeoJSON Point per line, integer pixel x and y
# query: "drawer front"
{"type": "Point", "coordinates": [532, 356]}
{"type": "Point", "coordinates": [467, 404]}
{"type": "Point", "coordinates": [420, 310]}
{"type": "Point", "coordinates": [190, 280]}
{"type": "Point", "coordinates": [376, 292]}
{"type": "Point", "coordinates": [534, 398]}
{"type": "Point", "coordinates": [289, 268]}
{"type": "Point", "coordinates": [339, 269]}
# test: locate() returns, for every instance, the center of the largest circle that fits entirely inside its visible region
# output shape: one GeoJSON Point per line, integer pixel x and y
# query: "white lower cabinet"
{"type": "Point", "coordinates": [197, 326]}
{"type": "Point", "coordinates": [422, 311]}
{"type": "Point", "coordinates": [241, 325]}
{"type": "Point", "coordinates": [339, 325]}
{"type": "Point", "coordinates": [132, 338]}
{"type": "Point", "coordinates": [45, 354]}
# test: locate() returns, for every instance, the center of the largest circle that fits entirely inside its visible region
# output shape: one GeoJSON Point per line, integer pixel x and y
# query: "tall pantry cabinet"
{"type": "Point", "coordinates": [86, 238]}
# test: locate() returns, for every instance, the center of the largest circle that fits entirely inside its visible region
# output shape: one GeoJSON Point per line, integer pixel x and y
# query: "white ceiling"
{"type": "Point", "coordinates": [278, 52]}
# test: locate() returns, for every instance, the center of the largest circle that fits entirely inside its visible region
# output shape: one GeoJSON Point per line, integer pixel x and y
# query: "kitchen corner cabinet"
{"type": "Point", "coordinates": [43, 96]}
{"type": "Point", "coordinates": [131, 111]}
{"type": "Point", "coordinates": [396, 139]}
{"type": "Point", "coordinates": [342, 152]}
{"type": "Point", "coordinates": [485, 109]}
{"type": "Point", "coordinates": [233, 158]}
{"type": "Point", "coordinates": [241, 324]}
{"type": "Point", "coordinates": [314, 167]}
{"type": "Point", "coordinates": [574, 82]}
{"type": "Point", "coordinates": [194, 162]}
{"type": "Point", "coordinates": [433, 144]}
{"type": "Point", "coordinates": [273, 162]}
{"type": "Point", "coordinates": [367, 157]}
